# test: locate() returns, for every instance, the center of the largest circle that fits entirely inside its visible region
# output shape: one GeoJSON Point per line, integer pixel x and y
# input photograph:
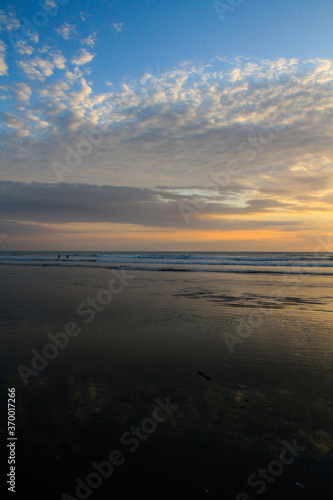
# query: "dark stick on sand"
{"type": "Point", "coordinates": [204, 375]}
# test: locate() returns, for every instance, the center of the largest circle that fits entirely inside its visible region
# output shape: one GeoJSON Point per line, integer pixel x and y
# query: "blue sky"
{"type": "Point", "coordinates": [173, 91]}
{"type": "Point", "coordinates": [165, 33]}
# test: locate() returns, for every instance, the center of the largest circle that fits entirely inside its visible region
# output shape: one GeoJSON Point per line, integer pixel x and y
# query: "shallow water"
{"type": "Point", "coordinates": [274, 385]}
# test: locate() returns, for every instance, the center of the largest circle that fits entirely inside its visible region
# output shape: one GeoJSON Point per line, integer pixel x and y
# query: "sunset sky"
{"type": "Point", "coordinates": [167, 125]}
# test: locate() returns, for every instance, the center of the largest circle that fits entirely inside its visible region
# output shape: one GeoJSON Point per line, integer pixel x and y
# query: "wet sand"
{"type": "Point", "coordinates": [148, 344]}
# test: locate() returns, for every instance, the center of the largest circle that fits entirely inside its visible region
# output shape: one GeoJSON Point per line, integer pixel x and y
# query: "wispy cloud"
{"type": "Point", "coordinates": [118, 27]}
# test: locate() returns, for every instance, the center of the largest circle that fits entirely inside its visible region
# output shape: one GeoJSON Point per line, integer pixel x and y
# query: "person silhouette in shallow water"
{"type": "Point", "coordinates": [59, 256]}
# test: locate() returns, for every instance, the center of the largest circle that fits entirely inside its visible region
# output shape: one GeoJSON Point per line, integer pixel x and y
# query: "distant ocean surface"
{"type": "Point", "coordinates": [218, 262]}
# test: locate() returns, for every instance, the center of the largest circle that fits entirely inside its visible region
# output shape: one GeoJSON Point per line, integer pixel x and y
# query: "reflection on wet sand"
{"type": "Point", "coordinates": [151, 343]}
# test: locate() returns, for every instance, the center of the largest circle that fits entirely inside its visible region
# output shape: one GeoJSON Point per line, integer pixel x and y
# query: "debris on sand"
{"type": "Point", "coordinates": [204, 375]}
{"type": "Point", "coordinates": [88, 376]}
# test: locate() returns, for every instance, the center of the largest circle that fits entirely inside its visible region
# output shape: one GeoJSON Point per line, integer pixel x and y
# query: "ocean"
{"type": "Point", "coordinates": [217, 262]}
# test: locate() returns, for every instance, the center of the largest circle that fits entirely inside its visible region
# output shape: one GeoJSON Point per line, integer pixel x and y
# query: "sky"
{"type": "Point", "coordinates": [170, 125]}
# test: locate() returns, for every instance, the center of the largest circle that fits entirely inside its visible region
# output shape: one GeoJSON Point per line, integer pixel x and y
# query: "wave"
{"type": "Point", "coordinates": [220, 263]}
{"type": "Point", "coordinates": [195, 256]}
{"type": "Point", "coordinates": [43, 259]}
{"type": "Point", "coordinates": [243, 270]}
{"type": "Point", "coordinates": [228, 262]}
{"type": "Point", "coordinates": [148, 256]}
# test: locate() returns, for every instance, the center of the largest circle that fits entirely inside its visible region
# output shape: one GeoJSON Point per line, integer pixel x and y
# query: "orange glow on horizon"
{"type": "Point", "coordinates": [90, 236]}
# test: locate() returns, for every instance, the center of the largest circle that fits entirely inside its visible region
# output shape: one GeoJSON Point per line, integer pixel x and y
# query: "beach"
{"type": "Point", "coordinates": [166, 250]}
{"type": "Point", "coordinates": [168, 384]}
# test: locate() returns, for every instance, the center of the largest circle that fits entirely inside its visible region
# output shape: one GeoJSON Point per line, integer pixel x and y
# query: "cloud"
{"type": "Point", "coordinates": [82, 57]}
{"type": "Point", "coordinates": [90, 40]}
{"type": "Point", "coordinates": [182, 127]}
{"type": "Point", "coordinates": [45, 66]}
{"type": "Point", "coordinates": [66, 31]}
{"type": "Point", "coordinates": [83, 203]}
{"type": "Point", "coordinates": [30, 70]}
{"type": "Point", "coordinates": [72, 76]}
{"type": "Point", "coordinates": [11, 120]}
{"type": "Point", "coordinates": [3, 65]}
{"type": "Point", "coordinates": [59, 61]}
{"type": "Point", "coordinates": [23, 48]}
{"type": "Point", "coordinates": [22, 92]}
{"type": "Point", "coordinates": [54, 90]}
{"type": "Point", "coordinates": [8, 22]}
{"type": "Point", "coordinates": [37, 68]}
{"type": "Point", "coordinates": [118, 27]}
